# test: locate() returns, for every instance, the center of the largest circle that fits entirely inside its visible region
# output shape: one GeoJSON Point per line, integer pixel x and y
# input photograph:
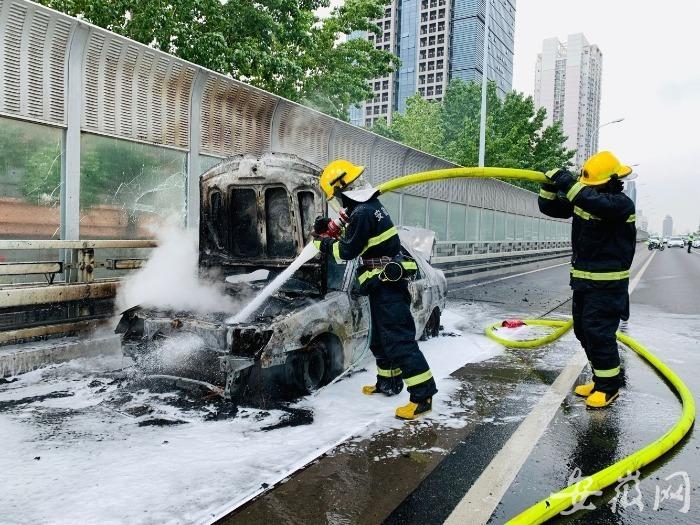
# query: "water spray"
{"type": "Point", "coordinates": [308, 253]}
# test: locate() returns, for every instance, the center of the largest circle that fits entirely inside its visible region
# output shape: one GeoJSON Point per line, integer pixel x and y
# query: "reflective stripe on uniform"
{"type": "Point", "coordinates": [573, 191]}
{"type": "Point", "coordinates": [406, 265]}
{"type": "Point", "coordinates": [383, 372]}
{"type": "Point", "coordinates": [384, 236]}
{"type": "Point", "coordinates": [336, 252]}
{"type": "Point", "coordinates": [369, 274]}
{"type": "Point", "coordinates": [549, 195]}
{"type": "Point", "coordinates": [607, 373]}
{"type": "Point", "coordinates": [585, 215]}
{"type": "Point", "coordinates": [420, 378]}
{"type": "Point", "coordinates": [600, 276]}
{"type": "Point", "coordinates": [632, 218]}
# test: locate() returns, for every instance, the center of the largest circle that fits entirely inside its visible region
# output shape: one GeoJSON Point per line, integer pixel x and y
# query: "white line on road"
{"type": "Point", "coordinates": [512, 276]}
{"type": "Point", "coordinates": [487, 491]}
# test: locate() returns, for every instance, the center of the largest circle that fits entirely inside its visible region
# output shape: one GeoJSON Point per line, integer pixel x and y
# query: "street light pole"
{"type": "Point", "coordinates": [484, 86]}
{"type": "Point", "coordinates": [611, 122]}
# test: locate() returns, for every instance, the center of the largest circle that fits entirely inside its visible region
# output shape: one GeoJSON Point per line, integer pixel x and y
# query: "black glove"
{"type": "Point", "coordinates": [614, 185]}
{"type": "Point", "coordinates": [562, 179]}
{"type": "Point", "coordinates": [323, 244]}
{"type": "Point", "coordinates": [321, 225]}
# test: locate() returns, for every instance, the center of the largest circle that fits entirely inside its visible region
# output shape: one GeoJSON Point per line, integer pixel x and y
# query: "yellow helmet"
{"type": "Point", "coordinates": [600, 167]}
{"type": "Point", "coordinates": [338, 175]}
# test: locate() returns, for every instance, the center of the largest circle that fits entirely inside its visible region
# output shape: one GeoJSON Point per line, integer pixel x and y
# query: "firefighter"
{"type": "Point", "coordinates": [603, 239]}
{"type": "Point", "coordinates": [383, 276]}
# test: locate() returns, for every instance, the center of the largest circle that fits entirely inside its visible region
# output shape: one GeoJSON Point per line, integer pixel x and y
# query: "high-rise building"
{"type": "Point", "coordinates": [437, 40]}
{"type": "Point", "coordinates": [642, 221]}
{"type": "Point", "coordinates": [568, 85]}
{"type": "Point", "coordinates": [668, 226]}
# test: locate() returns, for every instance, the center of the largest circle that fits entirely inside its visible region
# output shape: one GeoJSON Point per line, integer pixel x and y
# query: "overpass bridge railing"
{"type": "Point", "coordinates": [72, 286]}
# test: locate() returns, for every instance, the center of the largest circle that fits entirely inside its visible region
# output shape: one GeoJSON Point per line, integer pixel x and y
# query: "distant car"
{"type": "Point", "coordinates": [664, 240]}
{"type": "Point", "coordinates": [696, 243]}
{"type": "Point", "coordinates": [676, 242]}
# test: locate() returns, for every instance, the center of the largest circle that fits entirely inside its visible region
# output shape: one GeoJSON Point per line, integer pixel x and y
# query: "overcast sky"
{"type": "Point", "coordinates": [651, 77]}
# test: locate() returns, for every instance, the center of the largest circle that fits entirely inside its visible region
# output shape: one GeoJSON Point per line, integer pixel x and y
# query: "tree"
{"type": "Point", "coordinates": [278, 45]}
{"type": "Point", "coordinates": [515, 132]}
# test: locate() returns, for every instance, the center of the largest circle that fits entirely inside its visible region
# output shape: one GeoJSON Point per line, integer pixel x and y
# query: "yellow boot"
{"type": "Point", "coordinates": [414, 410]}
{"type": "Point", "coordinates": [368, 390]}
{"type": "Point", "coordinates": [600, 399]}
{"type": "Point", "coordinates": [584, 390]}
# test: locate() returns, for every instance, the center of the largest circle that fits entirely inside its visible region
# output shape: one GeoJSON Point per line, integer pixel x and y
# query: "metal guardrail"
{"type": "Point", "coordinates": [455, 248]}
{"type": "Point", "coordinates": [71, 300]}
{"type": "Point", "coordinates": [77, 264]}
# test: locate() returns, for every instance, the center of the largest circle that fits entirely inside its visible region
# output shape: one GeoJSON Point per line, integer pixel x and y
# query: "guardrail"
{"type": "Point", "coordinates": [459, 260]}
{"type": "Point", "coordinates": [72, 298]}
{"type": "Point", "coordinates": [453, 248]}
{"type": "Point", "coordinates": [77, 263]}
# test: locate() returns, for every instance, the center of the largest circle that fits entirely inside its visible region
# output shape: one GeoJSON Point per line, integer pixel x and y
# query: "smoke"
{"type": "Point", "coordinates": [169, 280]}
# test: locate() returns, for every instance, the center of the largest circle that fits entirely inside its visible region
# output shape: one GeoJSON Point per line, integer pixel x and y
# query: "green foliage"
{"type": "Point", "coordinates": [515, 132]}
{"type": "Point", "coordinates": [278, 45]}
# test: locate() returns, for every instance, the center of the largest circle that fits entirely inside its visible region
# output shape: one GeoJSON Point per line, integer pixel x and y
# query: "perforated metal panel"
{"type": "Point", "coordinates": [33, 49]}
{"type": "Point", "coordinates": [133, 92]}
{"type": "Point", "coordinates": [353, 144]}
{"type": "Point", "coordinates": [235, 118]}
{"type": "Point", "coordinates": [416, 162]}
{"type": "Point", "coordinates": [298, 130]}
{"type": "Point", "coordinates": [387, 161]}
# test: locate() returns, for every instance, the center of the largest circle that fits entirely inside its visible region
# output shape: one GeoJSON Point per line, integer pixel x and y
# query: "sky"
{"type": "Point", "coordinates": [651, 77]}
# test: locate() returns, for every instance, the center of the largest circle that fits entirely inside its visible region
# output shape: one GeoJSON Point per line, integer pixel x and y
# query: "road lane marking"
{"type": "Point", "coordinates": [638, 277]}
{"type": "Point", "coordinates": [481, 500]}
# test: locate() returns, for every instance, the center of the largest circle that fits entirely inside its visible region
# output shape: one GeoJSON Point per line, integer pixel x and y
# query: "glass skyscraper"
{"type": "Point", "coordinates": [437, 40]}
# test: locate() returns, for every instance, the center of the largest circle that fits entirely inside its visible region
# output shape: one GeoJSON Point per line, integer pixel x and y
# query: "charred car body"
{"type": "Point", "coordinates": [257, 214]}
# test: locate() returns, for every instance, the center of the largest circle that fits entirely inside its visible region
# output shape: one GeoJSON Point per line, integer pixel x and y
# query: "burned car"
{"type": "Point", "coordinates": [257, 214]}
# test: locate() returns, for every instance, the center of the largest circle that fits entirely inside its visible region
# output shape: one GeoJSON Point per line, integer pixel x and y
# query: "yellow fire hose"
{"type": "Point", "coordinates": [461, 173]}
{"type": "Point", "coordinates": [565, 498]}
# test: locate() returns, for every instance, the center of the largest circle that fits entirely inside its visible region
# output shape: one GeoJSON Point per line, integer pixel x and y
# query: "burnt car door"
{"type": "Point", "coordinates": [358, 306]}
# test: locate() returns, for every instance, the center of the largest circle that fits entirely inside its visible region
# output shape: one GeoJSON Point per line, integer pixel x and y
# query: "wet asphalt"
{"type": "Point", "coordinates": [361, 484]}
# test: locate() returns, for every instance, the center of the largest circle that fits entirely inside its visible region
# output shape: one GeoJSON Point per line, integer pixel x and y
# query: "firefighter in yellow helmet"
{"type": "Point", "coordinates": [383, 276]}
{"type": "Point", "coordinates": [603, 240]}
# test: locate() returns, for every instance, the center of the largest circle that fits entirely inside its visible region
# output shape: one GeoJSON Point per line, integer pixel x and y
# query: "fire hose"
{"type": "Point", "coordinates": [551, 506]}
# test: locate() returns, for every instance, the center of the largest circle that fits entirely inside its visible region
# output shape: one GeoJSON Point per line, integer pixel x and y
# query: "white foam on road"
{"type": "Point", "coordinates": [96, 465]}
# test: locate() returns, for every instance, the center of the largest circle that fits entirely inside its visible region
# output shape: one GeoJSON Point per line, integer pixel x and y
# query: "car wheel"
{"type": "Point", "coordinates": [432, 327]}
{"type": "Point", "coordinates": [317, 364]}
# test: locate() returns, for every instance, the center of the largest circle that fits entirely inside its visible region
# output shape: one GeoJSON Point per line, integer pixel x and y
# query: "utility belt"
{"type": "Point", "coordinates": [386, 269]}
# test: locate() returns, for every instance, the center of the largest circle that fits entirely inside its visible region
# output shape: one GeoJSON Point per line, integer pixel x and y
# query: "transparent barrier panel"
{"type": "Point", "coordinates": [437, 218]}
{"type": "Point", "coordinates": [499, 226]}
{"type": "Point", "coordinates": [30, 191]}
{"type": "Point", "coordinates": [206, 162]}
{"type": "Point", "coordinates": [510, 227]}
{"type": "Point", "coordinates": [413, 211]}
{"type": "Point", "coordinates": [391, 202]}
{"type": "Point", "coordinates": [486, 233]}
{"type": "Point", "coordinates": [473, 219]}
{"type": "Point", "coordinates": [127, 189]}
{"type": "Point", "coordinates": [30, 180]}
{"type": "Point", "coordinates": [457, 224]}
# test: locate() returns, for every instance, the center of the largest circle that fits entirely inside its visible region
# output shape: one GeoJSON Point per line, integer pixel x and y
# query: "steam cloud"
{"type": "Point", "coordinates": [169, 279]}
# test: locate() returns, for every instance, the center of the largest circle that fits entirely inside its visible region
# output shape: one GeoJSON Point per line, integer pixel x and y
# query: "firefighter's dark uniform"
{"type": "Point", "coordinates": [371, 234]}
{"type": "Point", "coordinates": [603, 239]}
